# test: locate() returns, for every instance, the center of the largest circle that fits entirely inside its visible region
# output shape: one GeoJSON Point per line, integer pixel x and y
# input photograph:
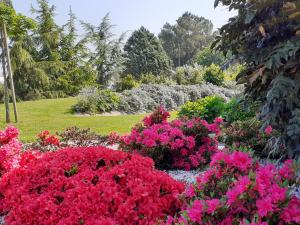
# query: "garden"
{"type": "Point", "coordinates": [137, 134]}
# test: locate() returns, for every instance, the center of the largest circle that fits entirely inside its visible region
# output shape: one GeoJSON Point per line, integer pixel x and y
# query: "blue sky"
{"type": "Point", "coordinates": [129, 15]}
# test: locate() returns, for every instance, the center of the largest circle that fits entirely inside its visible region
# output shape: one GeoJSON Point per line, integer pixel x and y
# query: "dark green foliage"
{"type": "Point", "coordinates": [127, 83]}
{"type": "Point", "coordinates": [207, 56]}
{"type": "Point", "coordinates": [207, 108]}
{"type": "Point", "coordinates": [145, 54]}
{"type": "Point", "coordinates": [266, 35]}
{"type": "Point", "coordinates": [213, 74]}
{"type": "Point", "coordinates": [237, 110]}
{"type": "Point", "coordinates": [186, 38]}
{"type": "Point", "coordinates": [248, 135]}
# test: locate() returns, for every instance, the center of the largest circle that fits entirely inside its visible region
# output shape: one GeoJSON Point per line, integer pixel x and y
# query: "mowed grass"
{"type": "Point", "coordinates": [54, 115]}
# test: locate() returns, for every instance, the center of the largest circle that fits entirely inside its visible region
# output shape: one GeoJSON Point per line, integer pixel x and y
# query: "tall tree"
{"type": "Point", "coordinates": [266, 34]}
{"type": "Point", "coordinates": [106, 55]}
{"type": "Point", "coordinates": [186, 38]}
{"type": "Point", "coordinates": [73, 53]}
{"type": "Point", "coordinates": [145, 54]}
{"type": "Point", "coordinates": [46, 51]}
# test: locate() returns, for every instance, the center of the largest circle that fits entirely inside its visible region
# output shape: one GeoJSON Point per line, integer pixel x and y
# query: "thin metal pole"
{"type": "Point", "coordinates": [6, 96]}
{"type": "Point", "coordinates": [10, 72]}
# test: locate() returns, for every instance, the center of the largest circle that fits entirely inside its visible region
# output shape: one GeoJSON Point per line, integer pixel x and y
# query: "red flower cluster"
{"type": "Point", "coordinates": [237, 190]}
{"type": "Point", "coordinates": [9, 149]}
{"type": "Point", "coordinates": [183, 144]}
{"type": "Point", "coordinates": [90, 186]}
{"type": "Point", "coordinates": [46, 139]}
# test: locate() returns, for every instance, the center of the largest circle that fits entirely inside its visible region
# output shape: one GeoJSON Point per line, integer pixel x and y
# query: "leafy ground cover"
{"type": "Point", "coordinates": [54, 115]}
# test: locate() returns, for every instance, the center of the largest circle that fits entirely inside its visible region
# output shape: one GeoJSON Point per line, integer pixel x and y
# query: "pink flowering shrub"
{"type": "Point", "coordinates": [238, 191]}
{"type": "Point", "coordinates": [9, 149]}
{"type": "Point", "coordinates": [182, 144]}
{"type": "Point", "coordinates": [93, 185]}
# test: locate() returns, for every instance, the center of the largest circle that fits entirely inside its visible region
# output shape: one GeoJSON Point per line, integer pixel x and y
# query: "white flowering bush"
{"type": "Point", "coordinates": [146, 97]}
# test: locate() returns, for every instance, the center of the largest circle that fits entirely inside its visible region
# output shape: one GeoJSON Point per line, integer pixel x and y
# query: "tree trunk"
{"type": "Point", "coordinates": [6, 96]}
{"type": "Point", "coordinates": [6, 48]}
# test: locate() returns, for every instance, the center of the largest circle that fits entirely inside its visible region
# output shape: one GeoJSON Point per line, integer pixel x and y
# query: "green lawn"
{"type": "Point", "coordinates": [54, 115]}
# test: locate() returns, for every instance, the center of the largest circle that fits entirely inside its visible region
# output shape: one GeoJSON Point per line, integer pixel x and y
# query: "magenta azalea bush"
{"type": "Point", "coordinates": [182, 144]}
{"type": "Point", "coordinates": [236, 190]}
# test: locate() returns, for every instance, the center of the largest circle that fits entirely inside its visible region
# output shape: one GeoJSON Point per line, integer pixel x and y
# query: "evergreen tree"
{"type": "Point", "coordinates": [73, 53]}
{"type": "Point", "coordinates": [47, 47]}
{"type": "Point", "coordinates": [186, 38]}
{"type": "Point", "coordinates": [106, 55]}
{"type": "Point", "coordinates": [144, 54]}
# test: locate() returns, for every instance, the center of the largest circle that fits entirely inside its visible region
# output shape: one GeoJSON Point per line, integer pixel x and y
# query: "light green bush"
{"type": "Point", "coordinates": [207, 108]}
{"type": "Point", "coordinates": [213, 74]}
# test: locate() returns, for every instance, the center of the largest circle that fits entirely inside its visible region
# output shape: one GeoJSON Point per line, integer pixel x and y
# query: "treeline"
{"type": "Point", "coordinates": [51, 61]}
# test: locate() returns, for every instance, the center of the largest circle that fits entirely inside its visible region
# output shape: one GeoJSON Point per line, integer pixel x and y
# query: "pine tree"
{"type": "Point", "coordinates": [145, 54]}
{"type": "Point", "coordinates": [106, 56]}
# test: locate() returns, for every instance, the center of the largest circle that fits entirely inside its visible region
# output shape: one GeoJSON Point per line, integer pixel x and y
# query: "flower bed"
{"type": "Point", "coordinates": [181, 144]}
{"type": "Point", "coordinates": [237, 190]}
{"type": "Point", "coordinates": [91, 185]}
{"type": "Point", "coordinates": [9, 149]}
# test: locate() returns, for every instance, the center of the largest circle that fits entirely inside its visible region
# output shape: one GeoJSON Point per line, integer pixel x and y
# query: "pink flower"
{"type": "Point", "coordinates": [195, 213]}
{"type": "Point", "coordinates": [169, 220]}
{"type": "Point", "coordinates": [218, 120]}
{"type": "Point", "coordinates": [269, 130]}
{"type": "Point", "coordinates": [264, 206]}
{"type": "Point", "coordinates": [212, 205]}
{"type": "Point", "coordinates": [291, 214]}
{"type": "Point", "coordinates": [241, 160]}
{"type": "Point", "coordinates": [239, 188]}
{"type": "Point", "coordinates": [190, 191]}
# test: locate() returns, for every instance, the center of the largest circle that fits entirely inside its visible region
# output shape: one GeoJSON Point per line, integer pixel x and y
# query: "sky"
{"type": "Point", "coordinates": [129, 15]}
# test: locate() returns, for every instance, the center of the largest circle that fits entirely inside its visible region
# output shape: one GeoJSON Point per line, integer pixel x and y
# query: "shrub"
{"type": "Point", "coordinates": [91, 185]}
{"type": "Point", "coordinates": [213, 74]}
{"type": "Point", "coordinates": [247, 134]}
{"type": "Point", "coordinates": [236, 110]}
{"type": "Point", "coordinates": [189, 75]}
{"type": "Point", "coordinates": [182, 144]}
{"type": "Point", "coordinates": [207, 108]}
{"type": "Point", "coordinates": [92, 100]}
{"type": "Point", "coordinates": [10, 149]}
{"type": "Point", "coordinates": [127, 83]}
{"type": "Point", "coordinates": [152, 79]}
{"type": "Point", "coordinates": [207, 57]}
{"type": "Point", "coordinates": [237, 190]}
{"type": "Point", "coordinates": [147, 97]}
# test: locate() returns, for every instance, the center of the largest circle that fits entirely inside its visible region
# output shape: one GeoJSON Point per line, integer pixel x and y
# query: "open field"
{"type": "Point", "coordinates": [54, 115]}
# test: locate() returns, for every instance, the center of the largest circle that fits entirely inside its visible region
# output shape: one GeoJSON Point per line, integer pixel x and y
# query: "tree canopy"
{"type": "Point", "coordinates": [144, 54]}
{"type": "Point", "coordinates": [186, 38]}
{"type": "Point", "coordinates": [266, 35]}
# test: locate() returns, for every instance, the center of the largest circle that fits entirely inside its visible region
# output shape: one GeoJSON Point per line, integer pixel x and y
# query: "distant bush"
{"type": "Point", "coordinates": [207, 57]}
{"type": "Point", "coordinates": [231, 73]}
{"type": "Point", "coordinates": [147, 97]}
{"type": "Point", "coordinates": [189, 75]}
{"type": "Point", "coordinates": [207, 108]}
{"type": "Point", "coordinates": [92, 100]}
{"type": "Point", "coordinates": [127, 83]}
{"type": "Point", "coordinates": [236, 110]}
{"type": "Point", "coordinates": [213, 74]}
{"type": "Point", "coordinates": [152, 79]}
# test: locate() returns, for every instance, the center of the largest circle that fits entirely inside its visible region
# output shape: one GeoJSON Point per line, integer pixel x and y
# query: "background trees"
{"type": "Point", "coordinates": [145, 54]}
{"type": "Point", "coordinates": [188, 36]}
{"type": "Point", "coordinates": [265, 35]}
{"type": "Point", "coordinates": [106, 55]}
